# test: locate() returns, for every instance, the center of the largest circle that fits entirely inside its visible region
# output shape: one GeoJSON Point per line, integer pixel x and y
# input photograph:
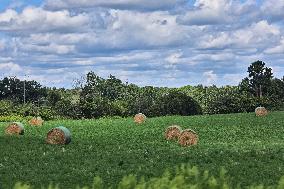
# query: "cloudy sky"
{"type": "Point", "coordinates": [147, 42]}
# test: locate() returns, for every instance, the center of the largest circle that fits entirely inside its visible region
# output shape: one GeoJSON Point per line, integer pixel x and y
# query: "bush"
{"type": "Point", "coordinates": [47, 113]}
{"type": "Point", "coordinates": [14, 118]}
{"type": "Point", "coordinates": [185, 177]}
{"type": "Point", "coordinates": [94, 106]}
{"type": "Point", "coordinates": [6, 107]}
{"type": "Point", "coordinates": [177, 103]}
{"type": "Point", "coordinates": [66, 108]}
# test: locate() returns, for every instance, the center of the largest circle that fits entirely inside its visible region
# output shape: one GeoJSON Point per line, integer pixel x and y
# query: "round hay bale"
{"type": "Point", "coordinates": [261, 111]}
{"type": "Point", "coordinates": [36, 121]}
{"type": "Point", "coordinates": [139, 118]}
{"type": "Point", "coordinates": [15, 128]}
{"type": "Point", "coordinates": [173, 132]}
{"type": "Point", "coordinates": [58, 135]}
{"type": "Point", "coordinates": [188, 137]}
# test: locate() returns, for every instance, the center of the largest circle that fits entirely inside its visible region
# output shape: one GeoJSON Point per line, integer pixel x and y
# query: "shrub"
{"type": "Point", "coordinates": [13, 118]}
{"type": "Point", "coordinates": [47, 113]}
{"type": "Point", "coordinates": [6, 107]}
{"type": "Point", "coordinates": [184, 177]}
{"type": "Point", "coordinates": [178, 103]}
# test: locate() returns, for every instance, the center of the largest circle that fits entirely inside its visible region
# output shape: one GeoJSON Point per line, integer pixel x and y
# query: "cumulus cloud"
{"type": "Point", "coordinates": [221, 12]}
{"type": "Point", "coordinates": [207, 41]}
{"type": "Point", "coordinates": [210, 77]}
{"type": "Point", "coordinates": [114, 4]}
{"type": "Point", "coordinates": [2, 45]}
{"type": "Point", "coordinates": [33, 19]}
{"type": "Point", "coordinates": [147, 30]}
{"type": "Point", "coordinates": [174, 58]}
{"type": "Point", "coordinates": [207, 12]}
{"type": "Point", "coordinates": [256, 35]}
{"type": "Point", "coordinates": [278, 49]}
{"type": "Point", "coordinates": [273, 10]}
{"type": "Point", "coordinates": [9, 68]}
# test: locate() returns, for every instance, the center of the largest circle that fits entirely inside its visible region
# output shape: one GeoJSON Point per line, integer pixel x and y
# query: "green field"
{"type": "Point", "coordinates": [250, 148]}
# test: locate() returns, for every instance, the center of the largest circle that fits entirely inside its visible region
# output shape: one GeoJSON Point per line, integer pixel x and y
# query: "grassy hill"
{"type": "Point", "coordinates": [250, 148]}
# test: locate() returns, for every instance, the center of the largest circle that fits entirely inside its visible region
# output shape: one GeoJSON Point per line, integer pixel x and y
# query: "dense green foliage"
{"type": "Point", "coordinates": [259, 80]}
{"type": "Point", "coordinates": [250, 148]}
{"type": "Point", "coordinates": [95, 97]}
{"type": "Point", "coordinates": [13, 89]}
{"type": "Point", "coordinates": [184, 177]}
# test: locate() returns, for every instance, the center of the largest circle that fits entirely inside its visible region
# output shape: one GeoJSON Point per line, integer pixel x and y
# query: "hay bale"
{"type": "Point", "coordinates": [58, 135]}
{"type": "Point", "coordinates": [36, 121]}
{"type": "Point", "coordinates": [261, 111]}
{"type": "Point", "coordinates": [139, 118]}
{"type": "Point", "coordinates": [188, 137]}
{"type": "Point", "coordinates": [173, 132]}
{"type": "Point", "coordinates": [15, 128]}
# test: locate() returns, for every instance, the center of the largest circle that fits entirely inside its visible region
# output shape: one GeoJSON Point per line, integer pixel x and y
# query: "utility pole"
{"type": "Point", "coordinates": [25, 90]}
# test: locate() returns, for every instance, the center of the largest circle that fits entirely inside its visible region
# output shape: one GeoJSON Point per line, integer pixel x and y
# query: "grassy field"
{"type": "Point", "coordinates": [250, 148]}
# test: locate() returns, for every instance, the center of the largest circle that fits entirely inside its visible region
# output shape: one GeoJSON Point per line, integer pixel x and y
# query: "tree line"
{"type": "Point", "coordinates": [96, 97]}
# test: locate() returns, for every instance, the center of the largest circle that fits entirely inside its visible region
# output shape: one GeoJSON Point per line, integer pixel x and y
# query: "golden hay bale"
{"type": "Point", "coordinates": [188, 137]}
{"type": "Point", "coordinates": [58, 135]}
{"type": "Point", "coordinates": [15, 128]}
{"type": "Point", "coordinates": [261, 111]}
{"type": "Point", "coordinates": [139, 118]}
{"type": "Point", "coordinates": [36, 121]}
{"type": "Point", "coordinates": [173, 132]}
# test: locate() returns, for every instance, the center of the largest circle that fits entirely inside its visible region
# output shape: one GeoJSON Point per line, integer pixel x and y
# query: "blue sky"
{"type": "Point", "coordinates": [162, 43]}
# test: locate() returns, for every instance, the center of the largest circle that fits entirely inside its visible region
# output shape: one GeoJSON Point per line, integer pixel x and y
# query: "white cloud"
{"type": "Point", "coordinates": [232, 79]}
{"type": "Point", "coordinates": [140, 40]}
{"type": "Point", "coordinates": [51, 48]}
{"type": "Point", "coordinates": [210, 77]}
{"type": "Point", "coordinates": [256, 35]}
{"type": "Point", "coordinates": [35, 19]}
{"type": "Point", "coordinates": [8, 15]}
{"type": "Point", "coordinates": [174, 58]}
{"type": "Point", "coordinates": [2, 45]}
{"type": "Point", "coordinates": [150, 29]}
{"type": "Point", "coordinates": [273, 9]}
{"type": "Point", "coordinates": [223, 56]}
{"type": "Point", "coordinates": [9, 68]}
{"type": "Point", "coordinates": [207, 12]}
{"type": "Point", "coordinates": [277, 49]}
{"type": "Point", "coordinates": [116, 4]}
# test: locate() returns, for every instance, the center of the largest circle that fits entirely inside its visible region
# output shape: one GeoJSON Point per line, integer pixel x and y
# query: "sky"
{"type": "Point", "coordinates": [168, 43]}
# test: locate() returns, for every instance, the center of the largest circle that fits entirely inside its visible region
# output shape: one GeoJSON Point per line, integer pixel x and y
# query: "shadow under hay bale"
{"type": "Point", "coordinates": [58, 135]}
{"type": "Point", "coordinates": [261, 111]}
{"type": "Point", "coordinates": [188, 137]}
{"type": "Point", "coordinates": [139, 118]}
{"type": "Point", "coordinates": [173, 132]}
{"type": "Point", "coordinates": [36, 121]}
{"type": "Point", "coordinates": [15, 128]}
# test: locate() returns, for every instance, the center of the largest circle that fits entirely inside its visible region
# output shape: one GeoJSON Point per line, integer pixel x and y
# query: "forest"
{"type": "Point", "coordinates": [94, 97]}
